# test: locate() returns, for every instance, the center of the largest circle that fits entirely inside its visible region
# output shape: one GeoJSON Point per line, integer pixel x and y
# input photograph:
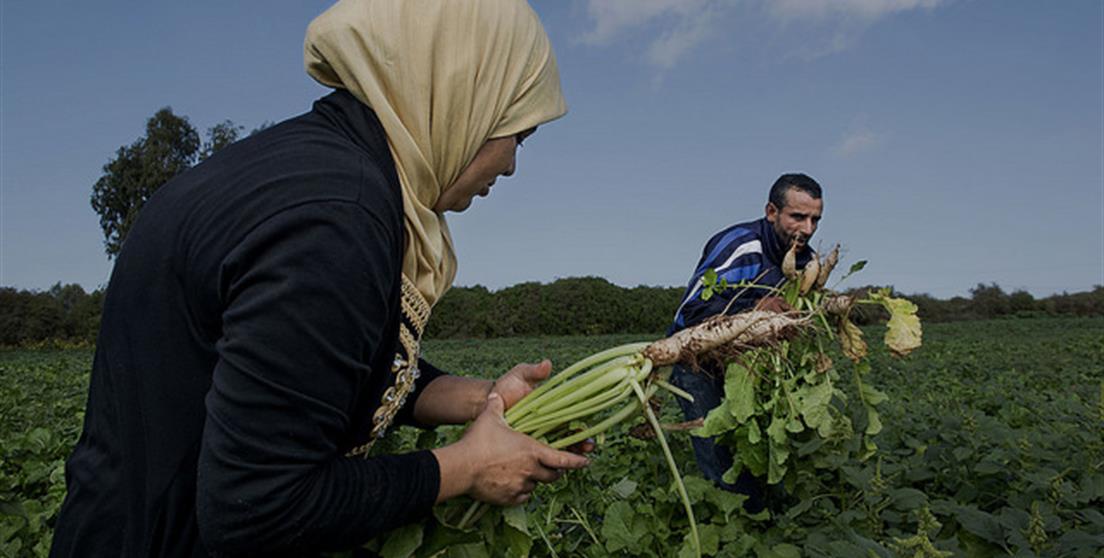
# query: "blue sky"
{"type": "Point", "coordinates": [958, 141]}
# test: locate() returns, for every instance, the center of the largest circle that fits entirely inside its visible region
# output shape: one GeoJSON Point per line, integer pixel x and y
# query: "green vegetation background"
{"type": "Point", "coordinates": [995, 428]}
{"type": "Point", "coordinates": [66, 315]}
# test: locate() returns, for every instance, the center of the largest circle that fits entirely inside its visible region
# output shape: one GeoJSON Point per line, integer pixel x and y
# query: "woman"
{"type": "Point", "coordinates": [262, 323]}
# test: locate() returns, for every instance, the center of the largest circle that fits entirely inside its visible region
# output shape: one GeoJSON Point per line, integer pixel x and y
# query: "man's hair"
{"type": "Point", "coordinates": [795, 181]}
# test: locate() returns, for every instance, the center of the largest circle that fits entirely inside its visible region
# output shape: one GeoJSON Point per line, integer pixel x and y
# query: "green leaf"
{"type": "Point", "coordinates": [740, 392]}
{"type": "Point", "coordinates": [718, 421]}
{"type": "Point", "coordinates": [872, 396]}
{"type": "Point", "coordinates": [814, 404]}
{"type": "Point", "coordinates": [777, 430]}
{"type": "Point", "coordinates": [856, 267]}
{"type": "Point", "coordinates": [709, 284]}
{"type": "Point", "coordinates": [470, 550]}
{"type": "Point", "coordinates": [617, 526]}
{"type": "Point", "coordinates": [754, 435]}
{"type": "Point", "coordinates": [783, 550]}
{"type": "Point", "coordinates": [907, 499]}
{"type": "Point", "coordinates": [980, 523]}
{"type": "Point", "coordinates": [402, 542]}
{"type": "Point", "coordinates": [515, 517]}
{"type": "Point", "coordinates": [795, 425]}
{"type": "Point", "coordinates": [873, 422]}
{"type": "Point", "coordinates": [517, 543]}
{"type": "Point", "coordinates": [624, 487]}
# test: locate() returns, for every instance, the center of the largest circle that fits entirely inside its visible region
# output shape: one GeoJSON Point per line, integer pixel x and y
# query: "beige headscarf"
{"type": "Point", "coordinates": [444, 76]}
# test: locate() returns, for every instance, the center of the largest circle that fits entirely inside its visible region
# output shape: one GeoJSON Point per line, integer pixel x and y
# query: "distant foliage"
{"type": "Point", "coordinates": [572, 306]}
{"type": "Point", "coordinates": [170, 146]}
{"type": "Point", "coordinates": [66, 314]}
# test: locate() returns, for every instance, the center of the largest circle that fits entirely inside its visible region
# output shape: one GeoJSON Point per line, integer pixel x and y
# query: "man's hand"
{"type": "Point", "coordinates": [492, 463]}
{"type": "Point", "coordinates": [520, 380]}
{"type": "Point", "coordinates": [774, 304]}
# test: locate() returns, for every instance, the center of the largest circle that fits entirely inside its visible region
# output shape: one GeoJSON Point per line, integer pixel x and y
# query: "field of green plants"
{"type": "Point", "coordinates": [992, 445]}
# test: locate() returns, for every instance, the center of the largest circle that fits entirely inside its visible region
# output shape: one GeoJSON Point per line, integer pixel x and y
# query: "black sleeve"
{"type": "Point", "coordinates": [405, 416]}
{"type": "Point", "coordinates": [306, 297]}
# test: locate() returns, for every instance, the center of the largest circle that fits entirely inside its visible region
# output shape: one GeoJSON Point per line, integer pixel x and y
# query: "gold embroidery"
{"type": "Point", "coordinates": [415, 314]}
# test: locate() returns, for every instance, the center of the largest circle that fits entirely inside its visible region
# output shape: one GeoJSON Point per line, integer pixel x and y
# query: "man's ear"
{"type": "Point", "coordinates": [772, 212]}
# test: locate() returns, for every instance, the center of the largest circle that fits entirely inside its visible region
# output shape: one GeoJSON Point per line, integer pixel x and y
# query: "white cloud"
{"type": "Point", "coordinates": [865, 10]}
{"type": "Point", "coordinates": [613, 17]}
{"type": "Point", "coordinates": [858, 141]}
{"type": "Point", "coordinates": [677, 27]}
{"type": "Point", "coordinates": [676, 42]}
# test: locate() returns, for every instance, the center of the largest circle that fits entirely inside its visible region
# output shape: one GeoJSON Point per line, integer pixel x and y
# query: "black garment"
{"type": "Point", "coordinates": [248, 332]}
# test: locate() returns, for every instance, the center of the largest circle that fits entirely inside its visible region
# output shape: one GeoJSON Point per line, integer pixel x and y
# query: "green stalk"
{"type": "Point", "coordinates": [544, 427]}
{"type": "Point", "coordinates": [670, 463]}
{"type": "Point", "coordinates": [522, 407]}
{"type": "Point", "coordinates": [583, 387]}
{"type": "Point", "coordinates": [606, 424]}
{"type": "Point", "coordinates": [467, 519]}
{"type": "Point", "coordinates": [674, 389]}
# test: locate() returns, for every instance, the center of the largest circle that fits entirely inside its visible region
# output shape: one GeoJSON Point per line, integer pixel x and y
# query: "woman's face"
{"type": "Point", "coordinates": [496, 158]}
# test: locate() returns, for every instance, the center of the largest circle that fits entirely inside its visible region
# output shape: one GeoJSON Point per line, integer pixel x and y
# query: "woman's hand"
{"type": "Point", "coordinates": [520, 380]}
{"type": "Point", "coordinates": [493, 463]}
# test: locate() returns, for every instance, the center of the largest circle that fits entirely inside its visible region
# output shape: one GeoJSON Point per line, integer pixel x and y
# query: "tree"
{"type": "Point", "coordinates": [989, 301]}
{"type": "Point", "coordinates": [170, 146]}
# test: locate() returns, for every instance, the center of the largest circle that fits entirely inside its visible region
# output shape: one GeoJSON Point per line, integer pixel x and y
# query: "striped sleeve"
{"type": "Point", "coordinates": [737, 255]}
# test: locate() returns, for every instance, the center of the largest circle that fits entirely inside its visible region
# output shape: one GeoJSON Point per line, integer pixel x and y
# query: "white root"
{"type": "Point", "coordinates": [744, 329]}
{"type": "Point", "coordinates": [827, 266]}
{"type": "Point", "coordinates": [810, 275]}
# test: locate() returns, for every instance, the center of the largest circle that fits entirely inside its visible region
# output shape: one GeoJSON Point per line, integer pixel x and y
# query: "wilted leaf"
{"type": "Point", "coordinates": [851, 340]}
{"type": "Point", "coordinates": [903, 333]}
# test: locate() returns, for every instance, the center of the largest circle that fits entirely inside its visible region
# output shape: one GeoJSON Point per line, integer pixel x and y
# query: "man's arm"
{"type": "Point", "coordinates": [741, 260]}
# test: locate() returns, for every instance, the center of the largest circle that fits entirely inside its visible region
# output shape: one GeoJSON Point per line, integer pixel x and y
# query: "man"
{"type": "Point", "coordinates": [750, 252]}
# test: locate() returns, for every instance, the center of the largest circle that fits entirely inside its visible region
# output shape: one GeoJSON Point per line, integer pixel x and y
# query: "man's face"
{"type": "Point", "coordinates": [797, 220]}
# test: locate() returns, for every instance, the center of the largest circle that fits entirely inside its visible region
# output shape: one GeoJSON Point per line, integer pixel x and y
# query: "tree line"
{"type": "Point", "coordinates": [573, 306]}
{"type": "Point", "coordinates": [67, 314]}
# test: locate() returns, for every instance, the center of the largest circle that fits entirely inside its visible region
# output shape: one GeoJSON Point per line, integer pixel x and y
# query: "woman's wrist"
{"type": "Point", "coordinates": [455, 469]}
{"type": "Point", "coordinates": [480, 402]}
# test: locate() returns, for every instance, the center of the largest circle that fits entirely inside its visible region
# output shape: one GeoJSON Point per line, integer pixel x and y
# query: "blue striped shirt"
{"type": "Point", "coordinates": [745, 252]}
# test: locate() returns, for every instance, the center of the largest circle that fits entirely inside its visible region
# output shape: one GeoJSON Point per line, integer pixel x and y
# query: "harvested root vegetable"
{"type": "Point", "coordinates": [810, 275]}
{"type": "Point", "coordinates": [738, 331]}
{"type": "Point", "coordinates": [789, 263]}
{"type": "Point", "coordinates": [826, 268]}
